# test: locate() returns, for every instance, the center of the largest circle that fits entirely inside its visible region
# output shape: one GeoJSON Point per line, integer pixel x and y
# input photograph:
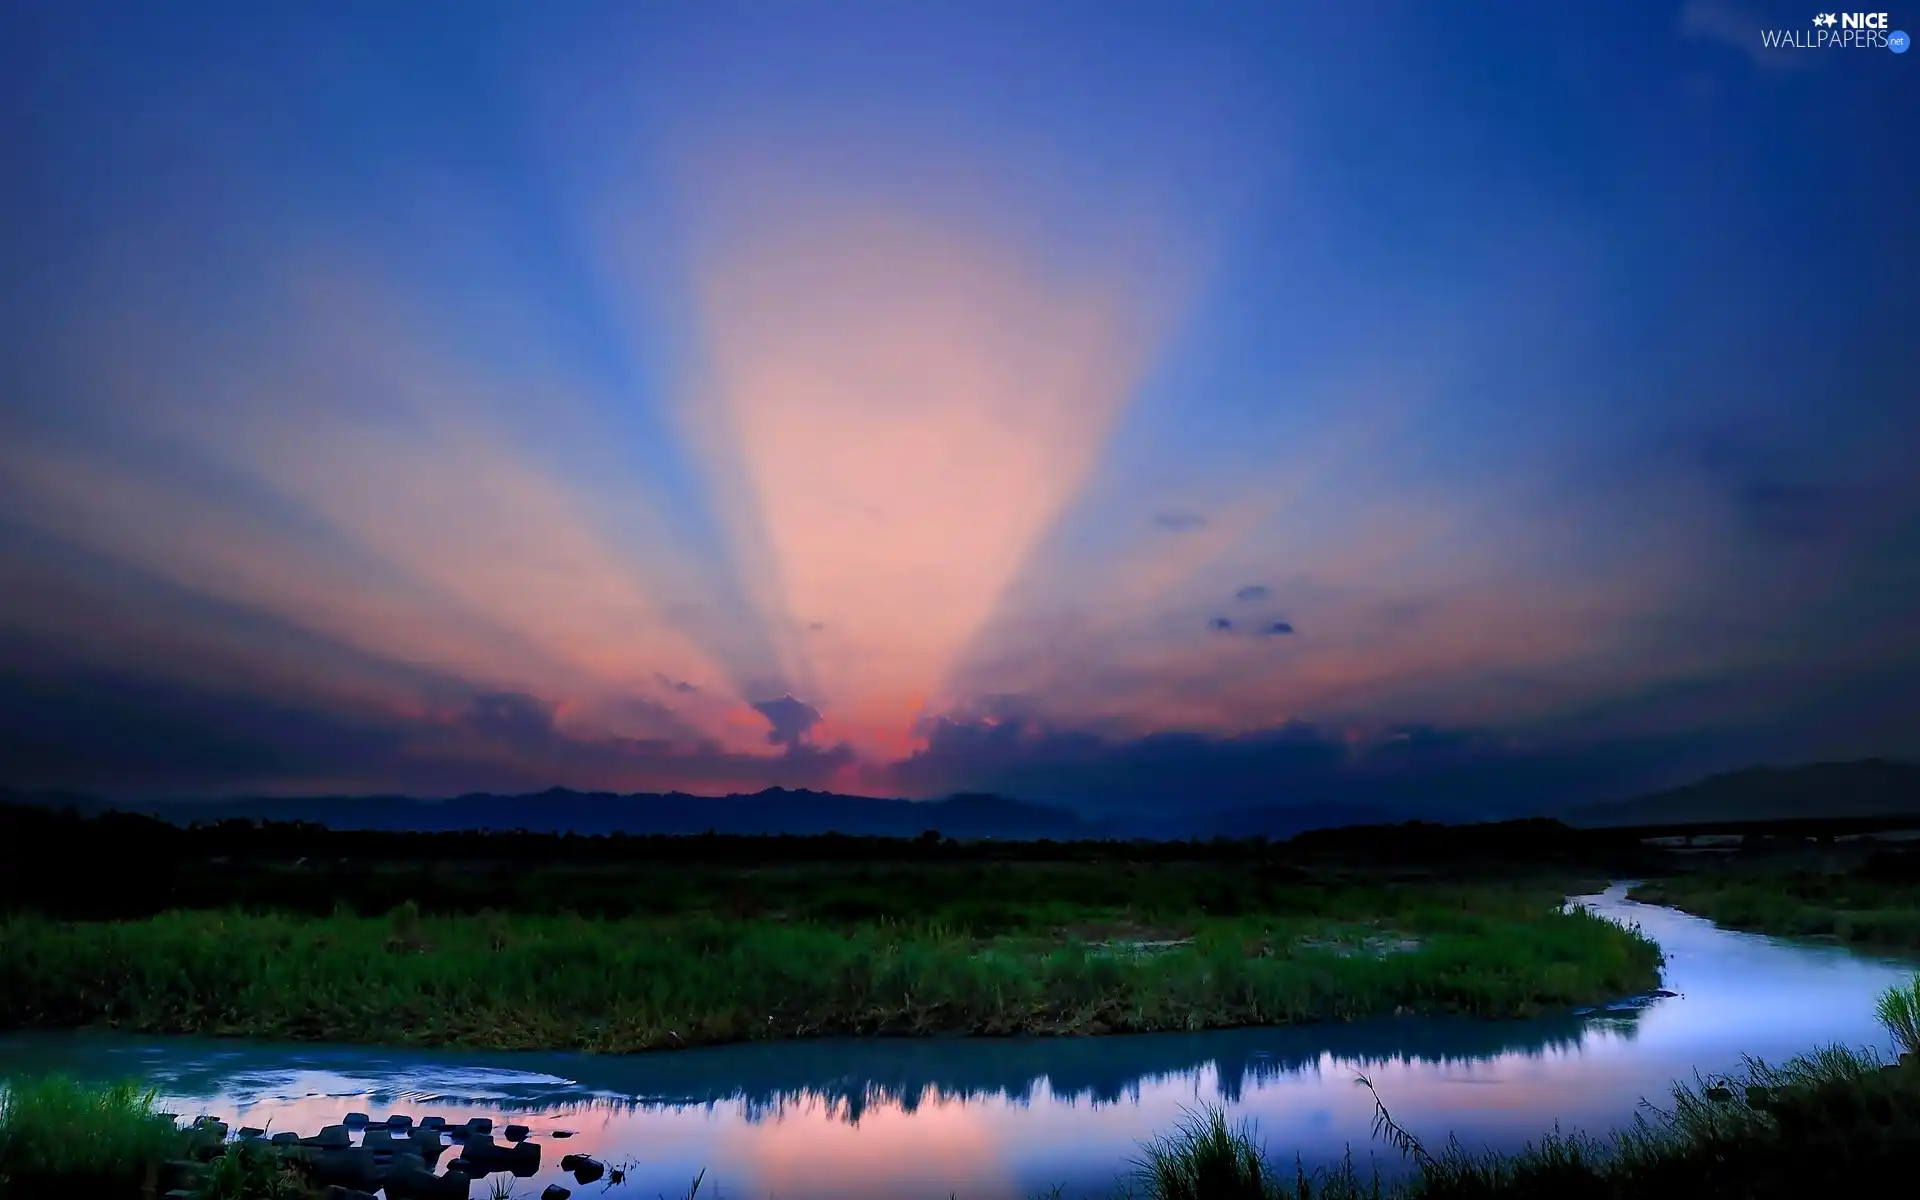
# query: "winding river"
{"type": "Point", "coordinates": [1017, 1117]}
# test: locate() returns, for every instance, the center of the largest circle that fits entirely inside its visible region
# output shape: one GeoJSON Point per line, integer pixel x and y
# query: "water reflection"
{"type": "Point", "coordinates": [990, 1118]}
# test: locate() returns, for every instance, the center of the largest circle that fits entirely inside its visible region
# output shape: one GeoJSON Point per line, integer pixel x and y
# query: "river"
{"type": "Point", "coordinates": [992, 1118]}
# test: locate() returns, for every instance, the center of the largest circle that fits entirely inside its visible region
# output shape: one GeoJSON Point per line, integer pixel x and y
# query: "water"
{"type": "Point", "coordinates": [1011, 1118]}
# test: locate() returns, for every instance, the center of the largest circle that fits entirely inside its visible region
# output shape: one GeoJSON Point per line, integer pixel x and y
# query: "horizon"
{"type": "Point", "coordinates": [1133, 414]}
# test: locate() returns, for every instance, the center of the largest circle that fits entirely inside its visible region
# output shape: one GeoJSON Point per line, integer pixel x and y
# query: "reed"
{"type": "Point", "coordinates": [524, 982]}
{"type": "Point", "coordinates": [84, 1140]}
{"type": "Point", "coordinates": [1899, 1010]}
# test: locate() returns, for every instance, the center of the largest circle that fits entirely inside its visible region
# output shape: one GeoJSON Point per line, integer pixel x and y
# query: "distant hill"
{"type": "Point", "coordinates": [1869, 788]}
{"type": "Point", "coordinates": [774, 811]}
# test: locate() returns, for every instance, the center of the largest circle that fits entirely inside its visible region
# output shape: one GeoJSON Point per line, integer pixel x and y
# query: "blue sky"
{"type": "Point", "coordinates": [1076, 400]}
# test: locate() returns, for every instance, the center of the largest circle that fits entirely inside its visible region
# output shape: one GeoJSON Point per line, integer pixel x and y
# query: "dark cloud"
{"type": "Point", "coordinates": [1252, 592]}
{"type": "Point", "coordinates": [512, 717]}
{"type": "Point", "coordinates": [1220, 624]}
{"type": "Point", "coordinates": [1179, 521]}
{"type": "Point", "coordinates": [790, 718]}
{"type": "Point", "coordinates": [1276, 629]}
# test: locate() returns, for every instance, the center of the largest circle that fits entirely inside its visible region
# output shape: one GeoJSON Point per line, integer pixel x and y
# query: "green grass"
{"type": "Point", "coordinates": [1899, 1010]}
{"type": "Point", "coordinates": [1833, 1123]}
{"type": "Point", "coordinates": [1849, 907]}
{"type": "Point", "coordinates": [61, 1137]}
{"type": "Point", "coordinates": [1059, 965]}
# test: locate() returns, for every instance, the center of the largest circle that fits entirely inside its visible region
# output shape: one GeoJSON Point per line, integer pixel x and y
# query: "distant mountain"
{"type": "Point", "coordinates": [1869, 788]}
{"type": "Point", "coordinates": [774, 811]}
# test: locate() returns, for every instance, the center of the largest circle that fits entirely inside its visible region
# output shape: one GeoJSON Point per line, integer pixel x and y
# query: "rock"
{"type": "Point", "coordinates": [212, 1126]}
{"type": "Point", "coordinates": [336, 1192]}
{"type": "Point", "coordinates": [287, 1138]}
{"type": "Point", "coordinates": [426, 1143]}
{"type": "Point", "coordinates": [524, 1159]}
{"type": "Point", "coordinates": [378, 1139]}
{"type": "Point", "coordinates": [207, 1151]}
{"type": "Point", "coordinates": [250, 1131]}
{"type": "Point", "coordinates": [561, 1133]}
{"type": "Point", "coordinates": [400, 1121]}
{"type": "Point", "coordinates": [355, 1167]}
{"type": "Point", "coordinates": [333, 1137]}
{"type": "Point", "coordinates": [433, 1122]}
{"type": "Point", "coordinates": [555, 1192]}
{"type": "Point", "coordinates": [180, 1172]}
{"type": "Point", "coordinates": [515, 1133]}
{"type": "Point", "coordinates": [480, 1124]}
{"type": "Point", "coordinates": [356, 1120]}
{"type": "Point", "coordinates": [584, 1169]}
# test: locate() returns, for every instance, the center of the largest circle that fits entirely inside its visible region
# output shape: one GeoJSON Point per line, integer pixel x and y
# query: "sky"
{"type": "Point", "coordinates": [1133, 406]}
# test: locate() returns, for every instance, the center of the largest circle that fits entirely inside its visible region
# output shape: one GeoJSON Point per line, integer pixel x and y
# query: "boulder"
{"type": "Point", "coordinates": [180, 1172]}
{"type": "Point", "coordinates": [287, 1138]}
{"type": "Point", "coordinates": [250, 1131]}
{"type": "Point", "coordinates": [480, 1124]}
{"type": "Point", "coordinates": [426, 1143]}
{"type": "Point", "coordinates": [555, 1192]}
{"type": "Point", "coordinates": [585, 1169]}
{"type": "Point", "coordinates": [515, 1133]}
{"type": "Point", "coordinates": [356, 1120]}
{"type": "Point", "coordinates": [560, 1133]}
{"type": "Point", "coordinates": [378, 1139]}
{"type": "Point", "coordinates": [333, 1137]}
{"type": "Point", "coordinates": [355, 1167]}
{"type": "Point", "coordinates": [400, 1121]}
{"type": "Point", "coordinates": [433, 1122]}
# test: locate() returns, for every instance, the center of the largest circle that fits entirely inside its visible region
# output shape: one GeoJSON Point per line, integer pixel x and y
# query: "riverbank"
{"type": "Point", "coordinates": [1054, 963]}
{"type": "Point", "coordinates": [1861, 906]}
{"type": "Point", "coordinates": [1838, 1122]}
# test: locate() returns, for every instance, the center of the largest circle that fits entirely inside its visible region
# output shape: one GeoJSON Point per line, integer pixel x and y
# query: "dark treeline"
{"type": "Point", "coordinates": [111, 865]}
{"type": "Point", "coordinates": [63, 862]}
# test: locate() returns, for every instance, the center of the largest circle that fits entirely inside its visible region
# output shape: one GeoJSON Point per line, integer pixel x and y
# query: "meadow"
{"type": "Point", "coordinates": [661, 958]}
{"type": "Point", "coordinates": [1874, 903]}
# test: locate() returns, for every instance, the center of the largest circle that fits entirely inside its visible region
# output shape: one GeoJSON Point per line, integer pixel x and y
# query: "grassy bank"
{"type": "Point", "coordinates": [1855, 907]}
{"type": "Point", "coordinates": [1053, 963]}
{"type": "Point", "coordinates": [1837, 1122]}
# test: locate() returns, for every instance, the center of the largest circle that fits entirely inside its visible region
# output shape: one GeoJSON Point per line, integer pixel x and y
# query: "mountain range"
{"type": "Point", "coordinates": [1869, 788]}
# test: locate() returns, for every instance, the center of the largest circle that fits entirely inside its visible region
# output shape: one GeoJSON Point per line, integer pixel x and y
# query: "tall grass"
{"type": "Point", "coordinates": [94, 1141]}
{"type": "Point", "coordinates": [1848, 907]}
{"type": "Point", "coordinates": [1899, 1010]}
{"type": "Point", "coordinates": [566, 982]}
{"type": "Point", "coordinates": [1836, 1122]}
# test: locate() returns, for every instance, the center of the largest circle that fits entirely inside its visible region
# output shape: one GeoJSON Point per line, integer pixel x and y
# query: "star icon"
{"type": "Point", "coordinates": [1827, 19]}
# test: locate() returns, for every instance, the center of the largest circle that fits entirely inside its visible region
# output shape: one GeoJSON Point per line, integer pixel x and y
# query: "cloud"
{"type": "Point", "coordinates": [1252, 592]}
{"type": "Point", "coordinates": [1180, 520]}
{"type": "Point", "coordinates": [790, 718]}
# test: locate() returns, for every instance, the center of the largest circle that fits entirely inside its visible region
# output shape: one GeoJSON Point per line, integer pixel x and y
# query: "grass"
{"type": "Point", "coordinates": [1836, 1120]}
{"type": "Point", "coordinates": [56, 1134]}
{"type": "Point", "coordinates": [1899, 1010]}
{"type": "Point", "coordinates": [1190, 954]}
{"type": "Point", "coordinates": [1852, 907]}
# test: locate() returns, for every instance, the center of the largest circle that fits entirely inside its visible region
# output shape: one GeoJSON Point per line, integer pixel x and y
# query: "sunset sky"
{"type": "Point", "coordinates": [1129, 404]}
